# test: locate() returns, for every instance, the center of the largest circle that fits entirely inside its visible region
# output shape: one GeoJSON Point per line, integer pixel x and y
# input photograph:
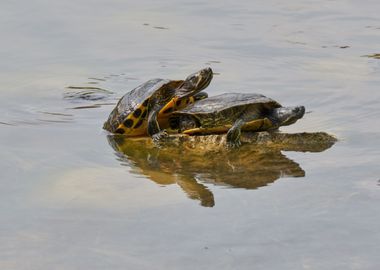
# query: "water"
{"type": "Point", "coordinates": [69, 201]}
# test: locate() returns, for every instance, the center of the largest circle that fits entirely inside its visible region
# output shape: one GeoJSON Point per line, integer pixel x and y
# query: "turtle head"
{"type": "Point", "coordinates": [198, 80]}
{"type": "Point", "coordinates": [286, 116]}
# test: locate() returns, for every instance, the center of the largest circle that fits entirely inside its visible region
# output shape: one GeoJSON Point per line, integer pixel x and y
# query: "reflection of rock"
{"type": "Point", "coordinates": [192, 161]}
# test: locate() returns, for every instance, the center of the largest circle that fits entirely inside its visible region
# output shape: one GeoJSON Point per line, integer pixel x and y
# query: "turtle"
{"type": "Point", "coordinates": [139, 111]}
{"type": "Point", "coordinates": [232, 112]}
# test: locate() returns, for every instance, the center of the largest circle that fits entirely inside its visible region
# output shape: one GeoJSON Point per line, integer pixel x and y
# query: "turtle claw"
{"type": "Point", "coordinates": [160, 136]}
{"type": "Point", "coordinates": [233, 138]}
{"type": "Point", "coordinates": [234, 144]}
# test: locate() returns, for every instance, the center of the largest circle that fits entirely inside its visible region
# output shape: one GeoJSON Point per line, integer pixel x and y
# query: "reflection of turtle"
{"type": "Point", "coordinates": [233, 112]}
{"type": "Point", "coordinates": [138, 111]}
{"type": "Point", "coordinates": [190, 161]}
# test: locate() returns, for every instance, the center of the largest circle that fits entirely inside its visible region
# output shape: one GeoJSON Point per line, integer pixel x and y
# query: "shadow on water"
{"type": "Point", "coordinates": [192, 162]}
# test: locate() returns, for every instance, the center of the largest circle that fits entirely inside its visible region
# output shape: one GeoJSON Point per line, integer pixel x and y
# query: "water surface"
{"type": "Point", "coordinates": [70, 201]}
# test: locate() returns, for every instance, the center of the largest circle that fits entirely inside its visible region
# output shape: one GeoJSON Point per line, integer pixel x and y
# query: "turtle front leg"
{"type": "Point", "coordinates": [233, 134]}
{"type": "Point", "coordinates": [154, 130]}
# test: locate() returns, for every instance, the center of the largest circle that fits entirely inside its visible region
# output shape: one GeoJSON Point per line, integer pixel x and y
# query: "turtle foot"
{"type": "Point", "coordinates": [233, 138]}
{"type": "Point", "coordinates": [160, 136]}
{"type": "Point", "coordinates": [234, 144]}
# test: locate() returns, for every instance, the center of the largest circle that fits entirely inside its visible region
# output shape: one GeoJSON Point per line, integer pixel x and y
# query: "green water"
{"type": "Point", "coordinates": [69, 201]}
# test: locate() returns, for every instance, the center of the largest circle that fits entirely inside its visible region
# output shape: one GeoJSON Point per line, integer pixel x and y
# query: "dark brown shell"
{"type": "Point", "coordinates": [229, 101]}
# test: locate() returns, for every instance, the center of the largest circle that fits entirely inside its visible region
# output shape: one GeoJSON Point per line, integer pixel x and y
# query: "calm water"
{"type": "Point", "coordinates": [70, 201]}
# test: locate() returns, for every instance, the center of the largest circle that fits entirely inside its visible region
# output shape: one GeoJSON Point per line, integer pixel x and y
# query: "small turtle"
{"type": "Point", "coordinates": [233, 112]}
{"type": "Point", "coordinates": [138, 112]}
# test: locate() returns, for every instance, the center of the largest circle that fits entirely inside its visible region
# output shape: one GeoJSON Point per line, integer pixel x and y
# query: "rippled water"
{"type": "Point", "coordinates": [71, 200]}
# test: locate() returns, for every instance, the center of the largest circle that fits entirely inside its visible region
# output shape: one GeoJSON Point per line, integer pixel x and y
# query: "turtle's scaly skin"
{"type": "Point", "coordinates": [177, 104]}
{"type": "Point", "coordinates": [139, 111]}
{"type": "Point", "coordinates": [233, 112]}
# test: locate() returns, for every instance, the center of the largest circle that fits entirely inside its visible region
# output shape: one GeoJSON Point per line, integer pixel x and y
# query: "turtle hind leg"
{"type": "Point", "coordinates": [233, 134]}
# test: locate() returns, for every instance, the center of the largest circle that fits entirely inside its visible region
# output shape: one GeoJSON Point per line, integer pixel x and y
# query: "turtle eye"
{"type": "Point", "coordinates": [192, 79]}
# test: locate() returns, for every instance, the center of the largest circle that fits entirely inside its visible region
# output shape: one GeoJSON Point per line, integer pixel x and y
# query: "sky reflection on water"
{"type": "Point", "coordinates": [67, 203]}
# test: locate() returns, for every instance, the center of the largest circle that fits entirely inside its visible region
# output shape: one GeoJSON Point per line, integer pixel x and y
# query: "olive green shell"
{"type": "Point", "coordinates": [230, 101]}
{"type": "Point", "coordinates": [227, 108]}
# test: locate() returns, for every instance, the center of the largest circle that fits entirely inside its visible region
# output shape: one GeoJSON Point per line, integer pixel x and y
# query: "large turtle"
{"type": "Point", "coordinates": [233, 112]}
{"type": "Point", "coordinates": [139, 111]}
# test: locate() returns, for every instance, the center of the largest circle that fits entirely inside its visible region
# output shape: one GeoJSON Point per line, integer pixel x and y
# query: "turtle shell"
{"type": "Point", "coordinates": [132, 108]}
{"type": "Point", "coordinates": [217, 114]}
{"type": "Point", "coordinates": [229, 101]}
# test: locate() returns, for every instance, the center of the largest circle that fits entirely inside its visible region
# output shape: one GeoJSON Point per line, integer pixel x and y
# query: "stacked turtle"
{"type": "Point", "coordinates": [180, 105]}
{"type": "Point", "coordinates": [147, 108]}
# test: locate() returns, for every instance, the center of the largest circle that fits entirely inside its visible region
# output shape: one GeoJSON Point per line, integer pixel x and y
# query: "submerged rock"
{"type": "Point", "coordinates": [301, 142]}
